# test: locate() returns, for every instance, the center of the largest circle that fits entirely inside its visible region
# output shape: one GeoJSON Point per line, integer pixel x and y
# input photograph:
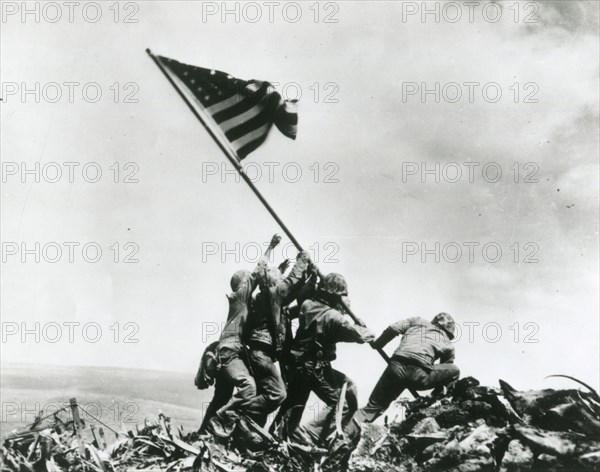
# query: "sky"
{"type": "Point", "coordinates": [366, 202]}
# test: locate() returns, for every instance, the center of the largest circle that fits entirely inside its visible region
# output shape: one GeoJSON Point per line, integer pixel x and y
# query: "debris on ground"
{"type": "Point", "coordinates": [477, 428]}
{"type": "Point", "coordinates": [472, 428]}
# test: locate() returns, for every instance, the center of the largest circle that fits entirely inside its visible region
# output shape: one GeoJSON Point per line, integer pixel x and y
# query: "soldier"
{"type": "Point", "coordinates": [208, 374]}
{"type": "Point", "coordinates": [231, 351]}
{"type": "Point", "coordinates": [268, 327]}
{"type": "Point", "coordinates": [412, 365]}
{"type": "Point", "coordinates": [322, 326]}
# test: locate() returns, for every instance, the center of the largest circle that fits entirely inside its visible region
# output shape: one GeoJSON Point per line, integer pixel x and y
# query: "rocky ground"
{"type": "Point", "coordinates": [471, 428]}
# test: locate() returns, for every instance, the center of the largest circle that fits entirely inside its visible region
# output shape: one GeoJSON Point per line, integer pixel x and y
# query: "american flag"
{"type": "Point", "coordinates": [240, 112]}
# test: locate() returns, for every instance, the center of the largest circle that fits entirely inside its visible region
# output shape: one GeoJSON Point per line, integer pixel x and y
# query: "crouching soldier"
{"type": "Point", "coordinates": [412, 365]}
{"type": "Point", "coordinates": [268, 326]}
{"type": "Point", "coordinates": [322, 326]}
{"type": "Point", "coordinates": [208, 374]}
{"type": "Point", "coordinates": [231, 352]}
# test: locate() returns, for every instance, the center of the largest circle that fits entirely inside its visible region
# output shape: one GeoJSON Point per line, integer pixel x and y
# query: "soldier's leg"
{"type": "Point", "coordinates": [290, 413]}
{"type": "Point", "coordinates": [439, 376]}
{"type": "Point", "coordinates": [269, 386]}
{"type": "Point", "coordinates": [236, 373]}
{"type": "Point", "coordinates": [337, 379]}
{"type": "Point", "coordinates": [327, 384]}
{"type": "Point", "coordinates": [388, 388]}
{"type": "Point", "coordinates": [222, 394]}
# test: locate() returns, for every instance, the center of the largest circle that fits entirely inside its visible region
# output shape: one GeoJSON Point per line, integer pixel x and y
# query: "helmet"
{"type": "Point", "coordinates": [238, 278]}
{"type": "Point", "coordinates": [446, 322]}
{"type": "Point", "coordinates": [334, 284]}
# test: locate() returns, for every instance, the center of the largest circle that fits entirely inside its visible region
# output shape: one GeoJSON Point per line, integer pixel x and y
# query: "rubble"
{"type": "Point", "coordinates": [472, 428]}
{"type": "Point", "coordinates": [477, 428]}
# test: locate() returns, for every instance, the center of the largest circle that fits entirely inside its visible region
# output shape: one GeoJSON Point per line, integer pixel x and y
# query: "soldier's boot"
{"type": "Point", "coordinates": [444, 390]}
{"type": "Point", "coordinates": [223, 423]}
{"type": "Point", "coordinates": [248, 438]}
{"type": "Point", "coordinates": [341, 448]}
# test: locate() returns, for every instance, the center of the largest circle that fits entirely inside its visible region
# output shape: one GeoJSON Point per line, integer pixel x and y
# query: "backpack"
{"type": "Point", "coordinates": [209, 367]}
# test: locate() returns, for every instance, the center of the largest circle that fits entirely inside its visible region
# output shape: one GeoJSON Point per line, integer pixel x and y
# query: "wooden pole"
{"type": "Point", "coordinates": [77, 426]}
{"type": "Point", "coordinates": [102, 438]}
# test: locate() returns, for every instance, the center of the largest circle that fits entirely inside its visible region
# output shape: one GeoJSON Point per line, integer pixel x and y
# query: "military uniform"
{"type": "Point", "coordinates": [268, 327]}
{"type": "Point", "coordinates": [208, 374]}
{"type": "Point", "coordinates": [412, 365]}
{"type": "Point", "coordinates": [234, 371]}
{"type": "Point", "coordinates": [313, 350]}
{"type": "Point", "coordinates": [222, 394]}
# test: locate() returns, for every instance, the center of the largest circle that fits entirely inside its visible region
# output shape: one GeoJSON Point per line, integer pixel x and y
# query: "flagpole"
{"type": "Point", "coordinates": [228, 154]}
{"type": "Point", "coordinates": [238, 167]}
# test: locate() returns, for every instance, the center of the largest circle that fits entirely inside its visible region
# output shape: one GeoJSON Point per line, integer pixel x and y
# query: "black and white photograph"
{"type": "Point", "coordinates": [304, 236]}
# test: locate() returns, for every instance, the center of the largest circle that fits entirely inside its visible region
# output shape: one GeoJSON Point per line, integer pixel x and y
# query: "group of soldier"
{"type": "Point", "coordinates": [258, 333]}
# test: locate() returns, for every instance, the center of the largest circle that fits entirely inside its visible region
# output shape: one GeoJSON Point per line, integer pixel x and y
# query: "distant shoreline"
{"type": "Point", "coordinates": [121, 397]}
{"type": "Point", "coordinates": [13, 365]}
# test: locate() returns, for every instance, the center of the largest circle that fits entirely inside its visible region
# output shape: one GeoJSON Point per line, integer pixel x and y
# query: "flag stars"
{"type": "Point", "coordinates": [213, 72]}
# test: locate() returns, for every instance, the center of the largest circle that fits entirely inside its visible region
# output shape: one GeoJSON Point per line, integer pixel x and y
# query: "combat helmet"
{"type": "Point", "coordinates": [334, 284]}
{"type": "Point", "coordinates": [446, 322]}
{"type": "Point", "coordinates": [238, 278]}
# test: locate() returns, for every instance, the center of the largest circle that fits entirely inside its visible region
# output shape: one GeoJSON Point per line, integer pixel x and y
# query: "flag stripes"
{"type": "Point", "coordinates": [244, 111]}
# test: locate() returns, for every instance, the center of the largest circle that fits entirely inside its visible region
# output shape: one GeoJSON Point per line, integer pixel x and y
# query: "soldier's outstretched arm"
{"type": "Point", "coordinates": [246, 289]}
{"type": "Point", "coordinates": [344, 331]}
{"type": "Point", "coordinates": [447, 356]}
{"type": "Point", "coordinates": [275, 240]}
{"type": "Point", "coordinates": [292, 281]}
{"type": "Point", "coordinates": [393, 330]}
{"type": "Point", "coordinates": [309, 289]}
